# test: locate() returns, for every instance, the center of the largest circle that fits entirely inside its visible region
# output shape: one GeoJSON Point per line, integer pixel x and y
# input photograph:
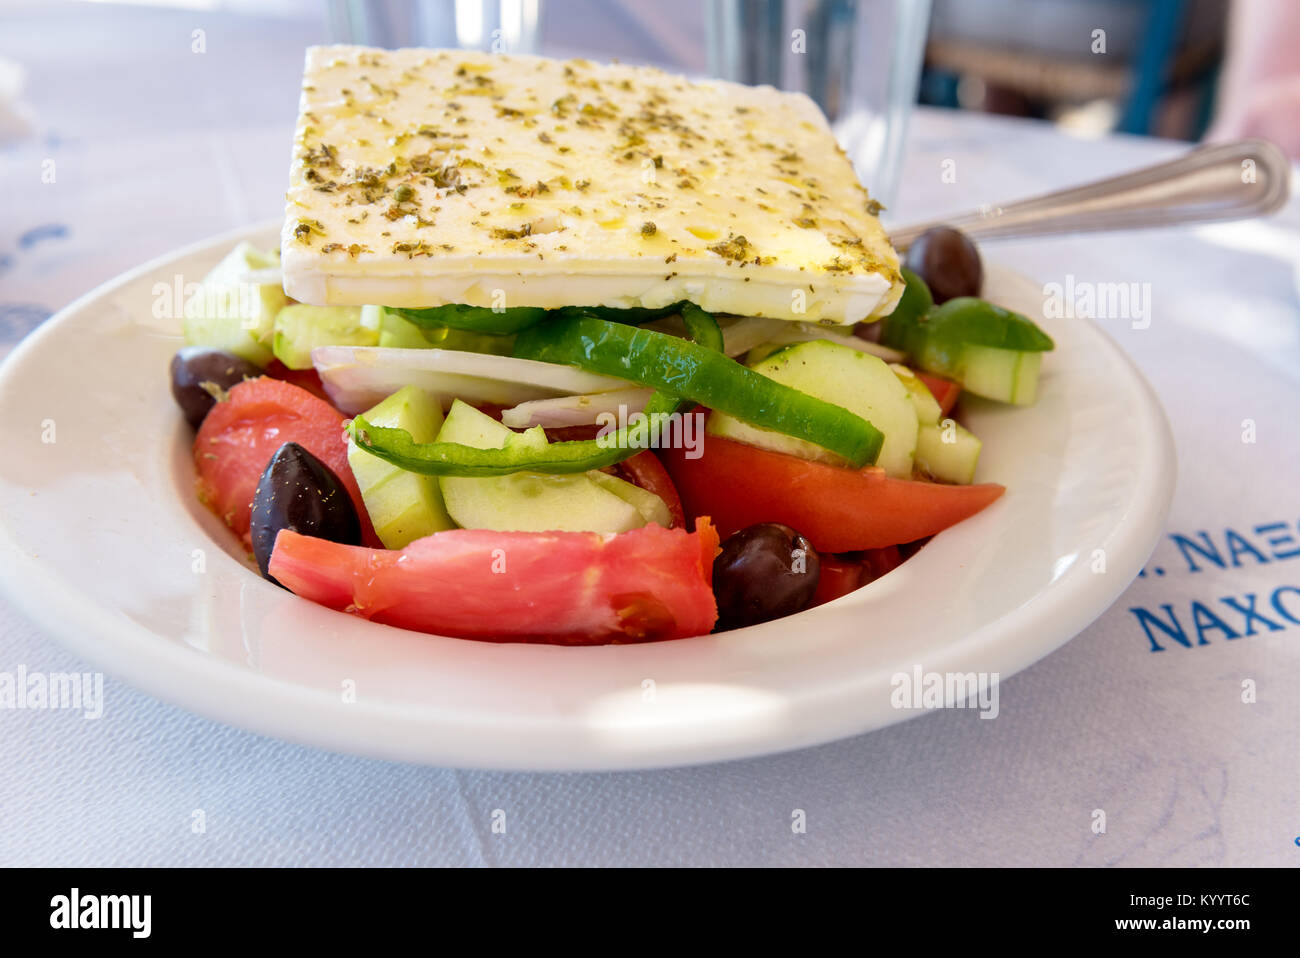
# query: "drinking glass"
{"type": "Point", "coordinates": [490, 25]}
{"type": "Point", "coordinates": [860, 60]}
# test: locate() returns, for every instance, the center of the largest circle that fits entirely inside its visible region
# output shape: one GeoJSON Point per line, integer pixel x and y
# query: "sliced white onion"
{"type": "Point", "coordinates": [740, 334]}
{"type": "Point", "coordinates": [749, 331]}
{"type": "Point", "coordinates": [807, 332]}
{"type": "Point", "coordinates": [575, 410]}
{"type": "Point", "coordinates": [358, 377]}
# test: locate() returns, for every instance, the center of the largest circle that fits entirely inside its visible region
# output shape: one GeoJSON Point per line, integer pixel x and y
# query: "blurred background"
{"type": "Point", "coordinates": [1152, 67]}
{"type": "Point", "coordinates": [1180, 69]}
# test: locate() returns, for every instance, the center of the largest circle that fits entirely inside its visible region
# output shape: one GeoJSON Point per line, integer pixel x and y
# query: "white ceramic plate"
{"type": "Point", "coordinates": [103, 544]}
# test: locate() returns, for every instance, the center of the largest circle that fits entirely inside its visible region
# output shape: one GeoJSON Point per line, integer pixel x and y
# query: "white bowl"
{"type": "Point", "coordinates": [103, 544]}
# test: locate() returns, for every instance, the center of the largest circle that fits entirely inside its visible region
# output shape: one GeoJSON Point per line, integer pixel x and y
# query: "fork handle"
{"type": "Point", "coordinates": [1225, 181]}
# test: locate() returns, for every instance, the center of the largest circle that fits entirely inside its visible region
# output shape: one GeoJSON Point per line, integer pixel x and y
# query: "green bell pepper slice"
{"type": "Point", "coordinates": [702, 327]}
{"type": "Point", "coordinates": [683, 368]}
{"type": "Point", "coordinates": [523, 452]}
{"type": "Point", "coordinates": [630, 315]}
{"type": "Point", "coordinates": [484, 319]}
{"type": "Point", "coordinates": [976, 322]}
{"type": "Point", "coordinates": [922, 330]}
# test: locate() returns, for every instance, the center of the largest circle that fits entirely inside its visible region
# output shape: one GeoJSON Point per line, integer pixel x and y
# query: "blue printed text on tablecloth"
{"type": "Point", "coordinates": [1214, 617]}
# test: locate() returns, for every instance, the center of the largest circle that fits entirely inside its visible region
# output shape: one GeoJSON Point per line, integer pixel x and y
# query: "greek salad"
{"type": "Point", "coordinates": [588, 476]}
{"type": "Point", "coordinates": [504, 381]}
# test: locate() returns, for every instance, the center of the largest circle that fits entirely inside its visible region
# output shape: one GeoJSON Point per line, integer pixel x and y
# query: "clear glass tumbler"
{"type": "Point", "coordinates": [491, 25]}
{"type": "Point", "coordinates": [860, 60]}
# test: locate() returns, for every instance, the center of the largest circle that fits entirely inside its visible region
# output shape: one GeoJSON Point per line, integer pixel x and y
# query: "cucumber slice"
{"type": "Point", "coordinates": [229, 312]}
{"type": "Point", "coordinates": [300, 328]}
{"type": "Point", "coordinates": [861, 383]}
{"type": "Point", "coordinates": [762, 352]}
{"type": "Point", "coordinates": [1007, 375]}
{"type": "Point", "coordinates": [923, 401]}
{"type": "Point", "coordinates": [651, 507]}
{"type": "Point", "coordinates": [528, 501]}
{"type": "Point", "coordinates": [403, 506]}
{"type": "Point", "coordinates": [948, 452]}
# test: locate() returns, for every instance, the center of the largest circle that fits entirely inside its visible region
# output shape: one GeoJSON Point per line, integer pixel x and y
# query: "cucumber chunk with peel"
{"type": "Point", "coordinates": [923, 401]}
{"type": "Point", "coordinates": [403, 506]}
{"type": "Point", "coordinates": [948, 452]}
{"type": "Point", "coordinates": [652, 508]}
{"type": "Point", "coordinates": [1007, 375]}
{"type": "Point", "coordinates": [230, 312]}
{"type": "Point", "coordinates": [301, 328]}
{"type": "Point", "coordinates": [993, 352]}
{"type": "Point", "coordinates": [394, 332]}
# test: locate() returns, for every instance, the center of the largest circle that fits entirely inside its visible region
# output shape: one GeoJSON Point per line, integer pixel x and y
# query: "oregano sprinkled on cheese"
{"type": "Point", "coordinates": [499, 232]}
{"type": "Point", "coordinates": [305, 228]}
{"type": "Point", "coordinates": [735, 248]}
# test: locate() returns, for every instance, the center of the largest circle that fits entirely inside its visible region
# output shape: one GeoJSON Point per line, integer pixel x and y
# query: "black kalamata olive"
{"type": "Point", "coordinates": [299, 492]}
{"type": "Point", "coordinates": [765, 571]}
{"type": "Point", "coordinates": [198, 371]}
{"type": "Point", "coordinates": [948, 262]}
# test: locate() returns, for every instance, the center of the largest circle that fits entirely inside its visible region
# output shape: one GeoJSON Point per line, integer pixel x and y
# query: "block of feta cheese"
{"type": "Point", "coordinates": [426, 177]}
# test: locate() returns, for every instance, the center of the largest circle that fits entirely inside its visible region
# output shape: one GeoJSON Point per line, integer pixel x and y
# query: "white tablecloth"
{"type": "Point", "coordinates": [158, 148]}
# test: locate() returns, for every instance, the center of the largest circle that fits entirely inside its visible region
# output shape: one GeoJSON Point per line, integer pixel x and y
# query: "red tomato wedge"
{"type": "Point", "coordinates": [308, 379]}
{"type": "Point", "coordinates": [241, 433]}
{"type": "Point", "coordinates": [848, 572]}
{"type": "Point", "coordinates": [645, 470]}
{"type": "Point", "coordinates": [945, 391]}
{"type": "Point", "coordinates": [839, 510]}
{"type": "Point", "coordinates": [838, 577]}
{"type": "Point", "coordinates": [877, 562]}
{"type": "Point", "coordinates": [563, 588]}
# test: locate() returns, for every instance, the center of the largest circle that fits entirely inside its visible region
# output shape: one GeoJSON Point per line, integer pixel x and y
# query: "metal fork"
{"type": "Point", "coordinates": [1226, 181]}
